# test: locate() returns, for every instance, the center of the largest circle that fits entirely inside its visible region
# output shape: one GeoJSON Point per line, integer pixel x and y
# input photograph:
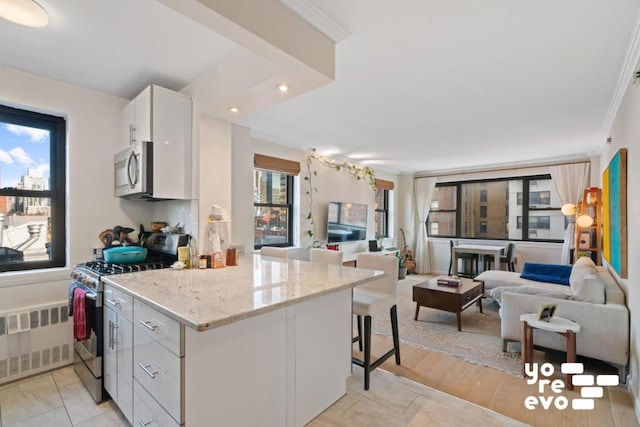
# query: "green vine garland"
{"type": "Point", "coordinates": [364, 173]}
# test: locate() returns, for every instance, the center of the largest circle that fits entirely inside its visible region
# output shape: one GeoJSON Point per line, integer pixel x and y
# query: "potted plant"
{"type": "Point", "coordinates": [402, 267]}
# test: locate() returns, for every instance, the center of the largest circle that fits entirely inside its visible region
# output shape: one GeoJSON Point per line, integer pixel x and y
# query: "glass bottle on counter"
{"type": "Point", "coordinates": [193, 252]}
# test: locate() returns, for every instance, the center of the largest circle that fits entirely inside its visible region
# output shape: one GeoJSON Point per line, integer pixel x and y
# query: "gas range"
{"type": "Point", "coordinates": [162, 251]}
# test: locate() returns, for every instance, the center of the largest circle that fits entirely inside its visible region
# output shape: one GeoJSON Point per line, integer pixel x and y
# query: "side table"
{"type": "Point", "coordinates": [561, 326]}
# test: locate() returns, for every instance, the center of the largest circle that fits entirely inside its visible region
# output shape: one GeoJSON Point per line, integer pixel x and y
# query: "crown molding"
{"type": "Point", "coordinates": [629, 67]}
{"type": "Point", "coordinates": [317, 18]}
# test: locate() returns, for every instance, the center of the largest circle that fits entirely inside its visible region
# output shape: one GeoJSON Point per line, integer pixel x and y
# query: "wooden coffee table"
{"type": "Point", "coordinates": [451, 299]}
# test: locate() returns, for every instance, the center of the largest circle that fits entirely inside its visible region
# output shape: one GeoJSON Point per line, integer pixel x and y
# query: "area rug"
{"type": "Point", "coordinates": [479, 341]}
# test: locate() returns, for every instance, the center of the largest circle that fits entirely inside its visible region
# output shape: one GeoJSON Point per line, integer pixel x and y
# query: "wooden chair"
{"type": "Point", "coordinates": [371, 299]}
{"type": "Point", "coordinates": [509, 259]}
{"type": "Point", "coordinates": [326, 256]}
{"type": "Point", "coordinates": [467, 259]}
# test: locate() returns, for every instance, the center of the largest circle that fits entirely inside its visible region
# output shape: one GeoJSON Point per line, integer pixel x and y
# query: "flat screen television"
{"type": "Point", "coordinates": [346, 222]}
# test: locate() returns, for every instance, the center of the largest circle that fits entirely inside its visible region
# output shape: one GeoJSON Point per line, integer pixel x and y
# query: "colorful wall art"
{"type": "Point", "coordinates": [614, 197]}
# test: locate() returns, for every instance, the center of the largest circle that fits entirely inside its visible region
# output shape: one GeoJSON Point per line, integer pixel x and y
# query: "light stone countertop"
{"type": "Point", "coordinates": [208, 298]}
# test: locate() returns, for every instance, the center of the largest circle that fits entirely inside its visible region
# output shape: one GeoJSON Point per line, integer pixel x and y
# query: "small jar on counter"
{"type": "Point", "coordinates": [202, 262]}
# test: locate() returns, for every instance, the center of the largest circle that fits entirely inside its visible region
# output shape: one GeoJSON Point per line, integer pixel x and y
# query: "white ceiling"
{"type": "Point", "coordinates": [420, 85]}
{"type": "Point", "coordinates": [115, 46]}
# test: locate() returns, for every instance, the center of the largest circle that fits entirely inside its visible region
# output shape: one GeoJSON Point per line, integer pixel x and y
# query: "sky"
{"type": "Point", "coordinates": [22, 148]}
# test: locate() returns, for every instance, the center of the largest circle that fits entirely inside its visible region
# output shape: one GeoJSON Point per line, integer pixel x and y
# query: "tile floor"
{"type": "Point", "coordinates": [59, 399]}
{"type": "Point", "coordinates": [54, 399]}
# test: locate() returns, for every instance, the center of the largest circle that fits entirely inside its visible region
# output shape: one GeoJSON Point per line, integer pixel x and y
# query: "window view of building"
{"type": "Point", "coordinates": [273, 198]}
{"type": "Point", "coordinates": [443, 212]}
{"type": "Point", "coordinates": [32, 185]}
{"type": "Point", "coordinates": [381, 208]}
{"type": "Point", "coordinates": [495, 209]}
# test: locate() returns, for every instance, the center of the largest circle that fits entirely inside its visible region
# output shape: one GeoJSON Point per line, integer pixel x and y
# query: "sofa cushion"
{"type": "Point", "coordinates": [583, 260]}
{"type": "Point", "coordinates": [561, 292]}
{"type": "Point", "coordinates": [550, 273]}
{"type": "Point", "coordinates": [586, 284]}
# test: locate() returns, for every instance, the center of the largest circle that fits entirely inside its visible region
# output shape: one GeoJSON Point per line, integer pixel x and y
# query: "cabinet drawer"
{"type": "Point", "coordinates": [118, 301]}
{"type": "Point", "coordinates": [159, 371]}
{"type": "Point", "coordinates": [146, 411]}
{"type": "Point", "coordinates": [158, 326]}
{"type": "Point", "coordinates": [473, 293]}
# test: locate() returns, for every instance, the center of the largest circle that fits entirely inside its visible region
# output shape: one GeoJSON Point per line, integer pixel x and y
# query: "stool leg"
{"type": "Point", "coordinates": [359, 319]}
{"type": "Point", "coordinates": [367, 351]}
{"type": "Point", "coordinates": [394, 330]}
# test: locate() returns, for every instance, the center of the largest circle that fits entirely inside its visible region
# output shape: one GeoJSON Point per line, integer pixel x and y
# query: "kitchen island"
{"type": "Point", "coordinates": [267, 342]}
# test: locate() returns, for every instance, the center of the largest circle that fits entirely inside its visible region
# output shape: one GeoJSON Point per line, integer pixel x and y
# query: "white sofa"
{"type": "Point", "coordinates": [604, 327]}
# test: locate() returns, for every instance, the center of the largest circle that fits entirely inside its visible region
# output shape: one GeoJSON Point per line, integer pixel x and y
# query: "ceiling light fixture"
{"type": "Point", "coordinates": [24, 12]}
{"type": "Point", "coordinates": [234, 109]}
{"type": "Point", "coordinates": [283, 87]}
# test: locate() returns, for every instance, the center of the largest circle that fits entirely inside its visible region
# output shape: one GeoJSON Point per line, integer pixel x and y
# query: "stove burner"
{"type": "Point", "coordinates": [105, 268]}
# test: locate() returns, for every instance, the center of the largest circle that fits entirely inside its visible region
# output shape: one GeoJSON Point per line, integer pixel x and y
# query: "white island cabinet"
{"type": "Point", "coordinates": [267, 342]}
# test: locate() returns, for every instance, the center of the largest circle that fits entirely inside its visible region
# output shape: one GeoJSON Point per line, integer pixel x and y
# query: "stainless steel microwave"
{"type": "Point", "coordinates": [133, 171]}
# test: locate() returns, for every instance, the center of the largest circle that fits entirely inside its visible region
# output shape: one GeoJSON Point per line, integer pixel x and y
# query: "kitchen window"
{"type": "Point", "coordinates": [522, 208]}
{"type": "Point", "coordinates": [32, 190]}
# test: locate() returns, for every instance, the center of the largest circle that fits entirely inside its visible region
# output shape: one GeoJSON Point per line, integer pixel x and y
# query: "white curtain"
{"type": "Point", "coordinates": [423, 189]}
{"type": "Point", "coordinates": [570, 182]}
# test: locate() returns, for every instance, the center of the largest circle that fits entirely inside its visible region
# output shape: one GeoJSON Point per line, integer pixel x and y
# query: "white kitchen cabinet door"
{"type": "Point", "coordinates": [143, 116]}
{"type": "Point", "coordinates": [171, 135]}
{"type": "Point", "coordinates": [110, 372]}
{"type": "Point", "coordinates": [124, 356]}
{"type": "Point", "coordinates": [128, 125]}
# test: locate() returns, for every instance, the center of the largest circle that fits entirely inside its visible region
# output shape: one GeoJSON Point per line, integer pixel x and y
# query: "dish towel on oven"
{"type": "Point", "coordinates": [80, 315]}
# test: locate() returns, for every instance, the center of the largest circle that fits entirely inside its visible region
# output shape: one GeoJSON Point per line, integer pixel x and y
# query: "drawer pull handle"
{"type": "Point", "coordinates": [146, 369]}
{"type": "Point", "coordinates": [147, 324]}
{"type": "Point", "coordinates": [112, 302]}
{"type": "Point", "coordinates": [143, 424]}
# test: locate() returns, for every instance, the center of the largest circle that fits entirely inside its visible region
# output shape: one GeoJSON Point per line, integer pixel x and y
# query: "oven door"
{"type": "Point", "coordinates": [88, 352]}
{"type": "Point", "coordinates": [132, 171]}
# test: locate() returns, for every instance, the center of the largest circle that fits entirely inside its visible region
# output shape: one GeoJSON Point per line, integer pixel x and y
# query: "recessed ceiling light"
{"type": "Point", "coordinates": [283, 87]}
{"type": "Point", "coordinates": [24, 12]}
{"type": "Point", "coordinates": [234, 109]}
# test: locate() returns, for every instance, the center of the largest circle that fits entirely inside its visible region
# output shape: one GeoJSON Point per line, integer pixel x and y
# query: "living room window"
{"type": "Point", "coordinates": [382, 213]}
{"type": "Point", "coordinates": [381, 207]}
{"type": "Point", "coordinates": [32, 190]}
{"type": "Point", "coordinates": [273, 201]}
{"type": "Point", "coordinates": [529, 206]}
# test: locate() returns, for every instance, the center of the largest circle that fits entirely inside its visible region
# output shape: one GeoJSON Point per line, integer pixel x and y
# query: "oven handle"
{"type": "Point", "coordinates": [91, 293]}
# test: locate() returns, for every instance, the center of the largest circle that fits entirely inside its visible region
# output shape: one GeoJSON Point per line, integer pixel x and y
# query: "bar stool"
{"type": "Point", "coordinates": [373, 298]}
{"type": "Point", "coordinates": [273, 252]}
{"type": "Point", "coordinates": [326, 256]}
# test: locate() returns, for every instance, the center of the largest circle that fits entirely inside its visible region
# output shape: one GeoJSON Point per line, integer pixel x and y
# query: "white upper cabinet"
{"type": "Point", "coordinates": [163, 117]}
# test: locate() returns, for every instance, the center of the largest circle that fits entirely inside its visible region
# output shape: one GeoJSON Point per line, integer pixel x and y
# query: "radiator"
{"type": "Point", "coordinates": [35, 339]}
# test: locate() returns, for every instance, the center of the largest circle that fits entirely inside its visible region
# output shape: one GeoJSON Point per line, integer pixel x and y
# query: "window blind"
{"type": "Point", "coordinates": [275, 164]}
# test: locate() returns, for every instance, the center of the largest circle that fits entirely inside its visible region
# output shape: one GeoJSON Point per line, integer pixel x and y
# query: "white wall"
{"type": "Point", "coordinates": [242, 188]}
{"type": "Point", "coordinates": [625, 133]}
{"type": "Point", "coordinates": [215, 169]}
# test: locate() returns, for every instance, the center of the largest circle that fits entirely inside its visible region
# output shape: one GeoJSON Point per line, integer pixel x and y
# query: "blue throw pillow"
{"type": "Point", "coordinates": [551, 273]}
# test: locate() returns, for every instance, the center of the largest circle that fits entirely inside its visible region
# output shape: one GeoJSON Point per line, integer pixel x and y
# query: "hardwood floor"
{"type": "Point", "coordinates": [505, 393]}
